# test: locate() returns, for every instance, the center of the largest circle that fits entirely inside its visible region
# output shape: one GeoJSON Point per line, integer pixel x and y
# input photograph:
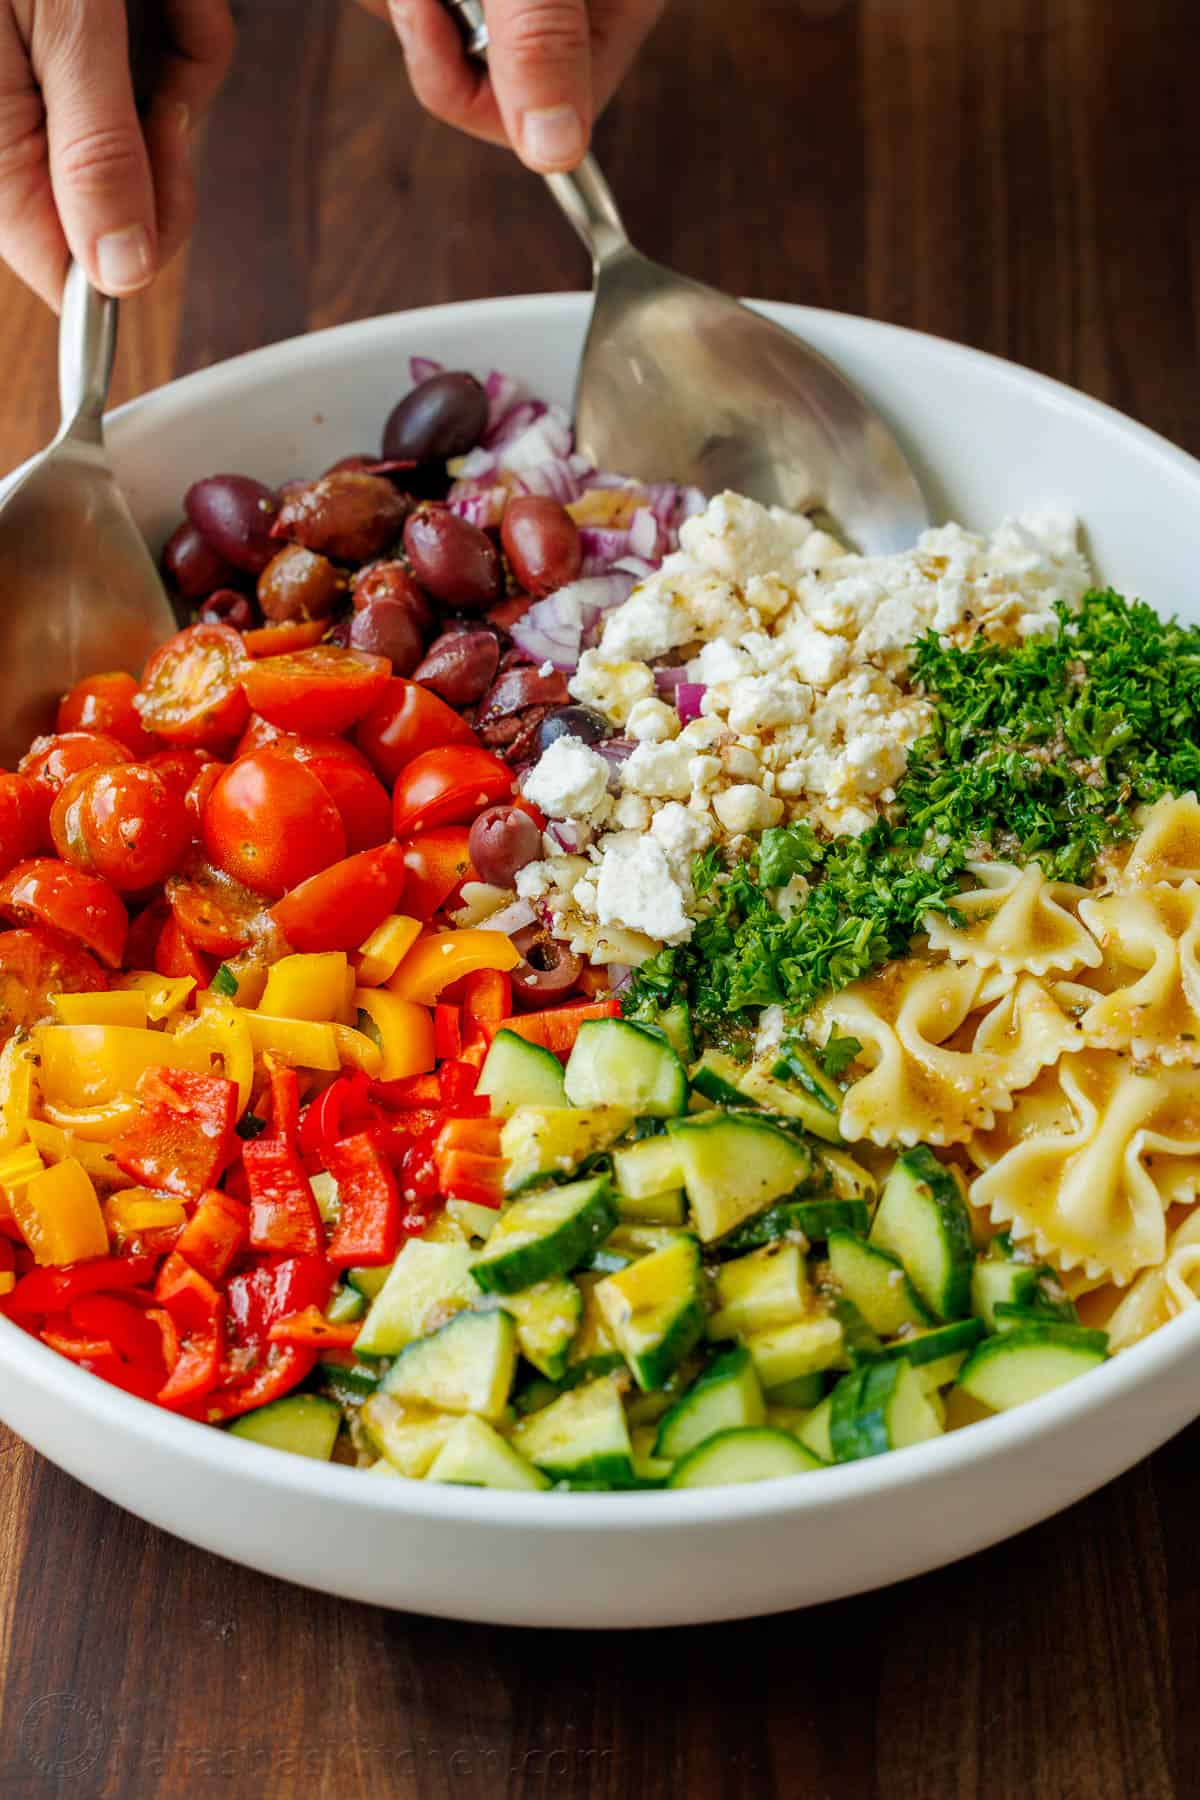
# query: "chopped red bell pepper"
{"type": "Point", "coordinates": [54, 1290]}
{"type": "Point", "coordinates": [344, 1107]}
{"type": "Point", "coordinates": [260, 1296]}
{"type": "Point", "coordinates": [471, 1175]}
{"type": "Point", "coordinates": [214, 1234]}
{"type": "Point", "coordinates": [197, 1312]}
{"type": "Point", "coordinates": [284, 1089]}
{"type": "Point", "coordinates": [367, 1232]}
{"type": "Point", "coordinates": [312, 1328]}
{"type": "Point", "coordinates": [457, 1082]}
{"type": "Point", "coordinates": [487, 1001]}
{"type": "Point", "coordinates": [283, 1212]}
{"type": "Point", "coordinates": [184, 1134]}
{"type": "Point", "coordinates": [447, 1031]}
{"type": "Point", "coordinates": [480, 1135]}
{"type": "Point", "coordinates": [284, 1367]}
{"type": "Point", "coordinates": [558, 1027]}
{"type": "Point", "coordinates": [410, 1091]}
{"type": "Point", "coordinates": [112, 1339]}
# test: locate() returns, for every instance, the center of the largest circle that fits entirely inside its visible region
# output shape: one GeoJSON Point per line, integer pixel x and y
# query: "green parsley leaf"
{"type": "Point", "coordinates": [838, 1054]}
{"type": "Point", "coordinates": [225, 982]}
{"type": "Point", "coordinates": [787, 850]}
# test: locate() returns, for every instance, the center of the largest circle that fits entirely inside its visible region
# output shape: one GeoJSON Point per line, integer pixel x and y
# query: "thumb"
{"type": "Point", "coordinates": [99, 168]}
{"type": "Point", "coordinates": [539, 59]}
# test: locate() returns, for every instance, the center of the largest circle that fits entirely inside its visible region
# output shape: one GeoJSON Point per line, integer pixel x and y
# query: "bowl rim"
{"type": "Point", "coordinates": [984, 1443]}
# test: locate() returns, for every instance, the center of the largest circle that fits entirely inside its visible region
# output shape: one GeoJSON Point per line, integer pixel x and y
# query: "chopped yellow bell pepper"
{"type": "Point", "coordinates": [386, 948]}
{"type": "Point", "coordinates": [116, 1008]}
{"type": "Point", "coordinates": [137, 1209]}
{"type": "Point", "coordinates": [87, 1065]}
{"type": "Point", "coordinates": [165, 994]}
{"type": "Point", "coordinates": [349, 1012]}
{"type": "Point", "coordinates": [250, 976]}
{"type": "Point", "coordinates": [223, 1030]}
{"type": "Point", "coordinates": [57, 1145]}
{"type": "Point", "coordinates": [303, 1043]}
{"type": "Point", "coordinates": [404, 1031]}
{"type": "Point", "coordinates": [357, 1050]}
{"type": "Point", "coordinates": [17, 1169]}
{"type": "Point", "coordinates": [59, 1216]}
{"type": "Point", "coordinates": [446, 956]}
{"type": "Point", "coordinates": [306, 987]}
{"type": "Point", "coordinates": [17, 1067]}
{"type": "Point", "coordinates": [96, 1124]}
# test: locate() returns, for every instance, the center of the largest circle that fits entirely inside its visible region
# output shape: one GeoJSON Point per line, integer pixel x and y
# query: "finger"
{"type": "Point", "coordinates": [444, 79]}
{"type": "Point", "coordinates": [540, 64]}
{"type": "Point", "coordinates": [31, 238]}
{"type": "Point", "coordinates": [99, 168]}
{"type": "Point", "coordinates": [202, 43]}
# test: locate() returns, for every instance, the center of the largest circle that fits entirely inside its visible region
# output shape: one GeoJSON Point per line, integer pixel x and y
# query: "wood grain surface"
{"type": "Point", "coordinates": [1023, 175]}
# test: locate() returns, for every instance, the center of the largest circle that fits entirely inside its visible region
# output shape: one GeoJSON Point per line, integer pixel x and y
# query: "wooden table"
{"type": "Point", "coordinates": [1023, 176]}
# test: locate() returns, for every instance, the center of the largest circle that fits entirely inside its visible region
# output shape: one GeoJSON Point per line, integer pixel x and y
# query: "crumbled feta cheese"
{"type": "Point", "coordinates": [534, 880]}
{"type": "Point", "coordinates": [637, 889]}
{"type": "Point", "coordinates": [702, 734]}
{"type": "Point", "coordinates": [739, 762]}
{"type": "Point", "coordinates": [704, 771]}
{"type": "Point", "coordinates": [660, 770]}
{"type": "Point", "coordinates": [770, 1031]}
{"type": "Point", "coordinates": [611, 685]}
{"type": "Point", "coordinates": [719, 661]}
{"type": "Point", "coordinates": [632, 812]}
{"type": "Point", "coordinates": [569, 780]}
{"type": "Point", "coordinates": [652, 721]}
{"type": "Point", "coordinates": [738, 538]}
{"type": "Point", "coordinates": [746, 808]}
{"type": "Point", "coordinates": [683, 834]}
{"type": "Point", "coordinates": [760, 701]}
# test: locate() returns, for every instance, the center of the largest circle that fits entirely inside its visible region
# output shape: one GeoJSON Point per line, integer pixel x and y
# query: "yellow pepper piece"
{"type": "Point", "coordinates": [348, 1012]}
{"type": "Point", "coordinates": [446, 956]}
{"type": "Point", "coordinates": [17, 1169]}
{"type": "Point", "coordinates": [306, 987]}
{"type": "Point", "coordinates": [386, 948]}
{"type": "Point", "coordinates": [249, 975]}
{"type": "Point", "coordinates": [357, 1050]}
{"type": "Point", "coordinates": [137, 1209]}
{"type": "Point", "coordinates": [57, 1145]}
{"type": "Point", "coordinates": [97, 1124]}
{"type": "Point", "coordinates": [87, 1065]}
{"type": "Point", "coordinates": [59, 1216]}
{"type": "Point", "coordinates": [301, 1042]}
{"type": "Point", "coordinates": [405, 1032]}
{"type": "Point", "coordinates": [116, 1008]}
{"type": "Point", "coordinates": [164, 994]}
{"type": "Point", "coordinates": [222, 1029]}
{"type": "Point", "coordinates": [17, 1067]}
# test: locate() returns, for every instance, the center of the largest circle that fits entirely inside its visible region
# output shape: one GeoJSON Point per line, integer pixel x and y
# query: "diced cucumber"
{"type": "Point", "coordinates": [408, 1436]}
{"type": "Point", "coordinates": [651, 1166]}
{"type": "Point", "coordinates": [767, 1287]}
{"type": "Point", "coordinates": [877, 1284]}
{"type": "Point", "coordinates": [650, 1470]}
{"type": "Point", "coordinates": [922, 1218]}
{"type": "Point", "coordinates": [880, 1407]}
{"type": "Point", "coordinates": [655, 1310]}
{"type": "Point", "coordinates": [593, 1350]}
{"type": "Point", "coordinates": [475, 1221]}
{"type": "Point", "coordinates": [803, 1393]}
{"type": "Point", "coordinates": [474, 1455]}
{"type": "Point", "coordinates": [929, 1349]}
{"type": "Point", "coordinates": [541, 1141]}
{"type": "Point", "coordinates": [348, 1385]}
{"type": "Point", "coordinates": [993, 1280]}
{"type": "Point", "coordinates": [582, 1437]}
{"type": "Point", "coordinates": [617, 1063]}
{"type": "Point", "coordinates": [846, 1176]}
{"type": "Point", "coordinates": [346, 1305]}
{"type": "Point", "coordinates": [815, 1431]}
{"type": "Point", "coordinates": [792, 1419]}
{"type": "Point", "coordinates": [368, 1281]}
{"type": "Point", "coordinates": [727, 1394]}
{"type": "Point", "coordinates": [676, 1022]}
{"type": "Point", "coordinates": [547, 1317]}
{"type": "Point", "coordinates": [718, 1078]}
{"type": "Point", "coordinates": [797, 1065]}
{"type": "Point", "coordinates": [728, 1083]}
{"type": "Point", "coordinates": [325, 1193]}
{"type": "Point", "coordinates": [1019, 1365]}
{"type": "Point", "coordinates": [545, 1233]}
{"type": "Point", "coordinates": [1038, 1310]}
{"type": "Point", "coordinates": [810, 1219]}
{"type": "Point", "coordinates": [669, 1208]}
{"type": "Point", "coordinates": [786, 1352]}
{"type": "Point", "coordinates": [734, 1166]}
{"type": "Point", "coordinates": [466, 1366]}
{"type": "Point", "coordinates": [534, 1394]}
{"type": "Point", "coordinates": [749, 1453]}
{"type": "Point", "coordinates": [518, 1073]}
{"type": "Point", "coordinates": [424, 1279]}
{"type": "Point", "coordinates": [862, 1341]}
{"type": "Point", "coordinates": [303, 1424]}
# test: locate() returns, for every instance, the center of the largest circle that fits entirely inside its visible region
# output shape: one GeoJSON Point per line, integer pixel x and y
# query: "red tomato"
{"type": "Point", "coordinates": [144, 933]}
{"type": "Point", "coordinates": [34, 965]}
{"type": "Point", "coordinates": [347, 777]}
{"type": "Point", "coordinates": [259, 733]}
{"type": "Point", "coordinates": [215, 913]}
{"type": "Point", "coordinates": [50, 762]}
{"type": "Point", "coordinates": [323, 689]}
{"type": "Point", "coordinates": [436, 862]}
{"type": "Point", "coordinates": [174, 955]}
{"type": "Point", "coordinates": [196, 798]}
{"type": "Point", "coordinates": [340, 907]}
{"type": "Point", "coordinates": [191, 688]}
{"type": "Point", "coordinates": [288, 634]}
{"type": "Point", "coordinates": [178, 768]}
{"type": "Point", "coordinates": [122, 822]}
{"type": "Point", "coordinates": [448, 786]}
{"type": "Point", "coordinates": [84, 907]}
{"type": "Point", "coordinates": [406, 719]}
{"type": "Point", "coordinates": [22, 819]}
{"type": "Point", "coordinates": [270, 824]}
{"type": "Point", "coordinates": [105, 703]}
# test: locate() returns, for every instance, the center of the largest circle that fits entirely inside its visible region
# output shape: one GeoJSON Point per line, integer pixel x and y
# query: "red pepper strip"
{"type": "Point", "coordinates": [283, 1213]}
{"type": "Point", "coordinates": [197, 1312]}
{"type": "Point", "coordinates": [214, 1234]}
{"type": "Point", "coordinates": [8, 1256]}
{"type": "Point", "coordinates": [412, 1090]}
{"type": "Point", "coordinates": [134, 1337]}
{"type": "Point", "coordinates": [284, 1088]}
{"type": "Point", "coordinates": [420, 1183]}
{"type": "Point", "coordinates": [457, 1082]}
{"type": "Point", "coordinates": [184, 1134]}
{"type": "Point", "coordinates": [469, 1175]}
{"type": "Point", "coordinates": [558, 1028]}
{"type": "Point", "coordinates": [447, 1031]}
{"type": "Point", "coordinates": [286, 1365]}
{"type": "Point", "coordinates": [54, 1290]}
{"type": "Point", "coordinates": [487, 1000]}
{"type": "Point", "coordinates": [311, 1327]}
{"type": "Point", "coordinates": [254, 1370]}
{"type": "Point", "coordinates": [368, 1227]}
{"type": "Point", "coordinates": [344, 1107]}
{"type": "Point", "coordinates": [62, 1336]}
{"type": "Point", "coordinates": [480, 1135]}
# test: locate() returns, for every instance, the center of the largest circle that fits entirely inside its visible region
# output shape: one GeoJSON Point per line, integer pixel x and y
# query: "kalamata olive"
{"type": "Point", "coordinates": [299, 584]}
{"type": "Point", "coordinates": [387, 628]}
{"type": "Point", "coordinates": [235, 514]}
{"type": "Point", "coordinates": [192, 566]}
{"type": "Point", "coordinates": [541, 541]}
{"type": "Point", "coordinates": [573, 721]}
{"type": "Point", "coordinates": [516, 688]}
{"type": "Point", "coordinates": [444, 416]}
{"type": "Point", "coordinates": [228, 607]}
{"type": "Point", "coordinates": [452, 559]}
{"type": "Point", "coordinates": [503, 839]}
{"type": "Point", "coordinates": [348, 515]}
{"type": "Point", "coordinates": [514, 737]}
{"type": "Point", "coordinates": [392, 581]}
{"type": "Point", "coordinates": [548, 970]}
{"type": "Point", "coordinates": [459, 665]}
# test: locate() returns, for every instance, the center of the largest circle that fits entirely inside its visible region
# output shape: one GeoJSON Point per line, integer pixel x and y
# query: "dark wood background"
{"type": "Point", "coordinates": [1020, 174]}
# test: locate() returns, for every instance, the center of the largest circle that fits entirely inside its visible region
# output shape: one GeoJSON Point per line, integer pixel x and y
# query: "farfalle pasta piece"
{"type": "Point", "coordinates": [1087, 1191]}
{"type": "Point", "coordinates": [1162, 1293]}
{"type": "Point", "coordinates": [1155, 1013]}
{"type": "Point", "coordinates": [1168, 846]}
{"type": "Point", "coordinates": [1016, 921]}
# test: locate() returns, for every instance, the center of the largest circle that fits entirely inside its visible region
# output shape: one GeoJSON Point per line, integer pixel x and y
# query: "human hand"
{"type": "Point", "coordinates": [553, 65]}
{"type": "Point", "coordinates": [80, 173]}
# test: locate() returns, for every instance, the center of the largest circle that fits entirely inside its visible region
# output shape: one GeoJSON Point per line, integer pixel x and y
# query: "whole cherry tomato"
{"type": "Point", "coordinates": [339, 908]}
{"type": "Point", "coordinates": [105, 703]}
{"type": "Point", "coordinates": [22, 817]}
{"type": "Point", "coordinates": [191, 688]}
{"type": "Point", "coordinates": [196, 798]}
{"type": "Point", "coordinates": [34, 966]}
{"type": "Point", "coordinates": [436, 863]}
{"type": "Point", "coordinates": [175, 955]}
{"type": "Point", "coordinates": [448, 786]}
{"type": "Point", "coordinates": [324, 689]}
{"type": "Point", "coordinates": [270, 823]}
{"type": "Point", "coordinates": [214, 912]}
{"type": "Point", "coordinates": [122, 822]}
{"type": "Point", "coordinates": [50, 762]}
{"type": "Point", "coordinates": [406, 719]}
{"type": "Point", "coordinates": [347, 776]}
{"type": "Point", "coordinates": [178, 768]}
{"type": "Point", "coordinates": [83, 907]}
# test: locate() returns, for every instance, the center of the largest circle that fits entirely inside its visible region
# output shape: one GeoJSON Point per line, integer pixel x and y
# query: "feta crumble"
{"type": "Point", "coordinates": [569, 781]}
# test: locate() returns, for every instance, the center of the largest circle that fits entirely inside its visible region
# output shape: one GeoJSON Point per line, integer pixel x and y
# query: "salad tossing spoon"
{"type": "Point", "coordinates": [681, 383]}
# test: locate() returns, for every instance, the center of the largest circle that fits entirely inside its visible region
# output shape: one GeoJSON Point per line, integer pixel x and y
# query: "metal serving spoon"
{"type": "Point", "coordinates": [679, 382]}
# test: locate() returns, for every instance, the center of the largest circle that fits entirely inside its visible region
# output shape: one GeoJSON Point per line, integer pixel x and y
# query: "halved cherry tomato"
{"type": "Point", "coordinates": [340, 907]}
{"type": "Point", "coordinates": [50, 762]}
{"type": "Point", "coordinates": [105, 703]}
{"type": "Point", "coordinates": [344, 772]}
{"type": "Point", "coordinates": [436, 862]}
{"type": "Point", "coordinates": [22, 819]}
{"type": "Point", "coordinates": [84, 907]}
{"type": "Point", "coordinates": [271, 824]}
{"type": "Point", "coordinates": [325, 688]}
{"type": "Point", "coordinates": [174, 954]}
{"type": "Point", "coordinates": [34, 965]}
{"type": "Point", "coordinates": [287, 635]}
{"type": "Point", "coordinates": [406, 719]}
{"type": "Point", "coordinates": [122, 822]}
{"type": "Point", "coordinates": [214, 912]}
{"type": "Point", "coordinates": [448, 786]}
{"type": "Point", "coordinates": [191, 688]}
{"type": "Point", "coordinates": [178, 768]}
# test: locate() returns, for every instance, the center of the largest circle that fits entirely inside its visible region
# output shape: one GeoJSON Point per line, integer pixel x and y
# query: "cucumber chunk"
{"type": "Point", "coordinates": [717, 1077]}
{"type": "Point", "coordinates": [862, 1341]}
{"type": "Point", "coordinates": [649, 1469]}
{"type": "Point", "coordinates": [475, 1221]}
{"type": "Point", "coordinates": [846, 1177]}
{"type": "Point", "coordinates": [787, 1352]}
{"type": "Point", "coordinates": [922, 1218]}
{"type": "Point", "coordinates": [346, 1306]}
{"type": "Point", "coordinates": [1020, 1364]}
{"type": "Point", "coordinates": [767, 1287]}
{"type": "Point", "coordinates": [518, 1073]}
{"type": "Point", "coordinates": [593, 1349]}
{"type": "Point", "coordinates": [368, 1281]}
{"type": "Point", "coordinates": [617, 1063]}
{"type": "Point", "coordinates": [812, 1219]}
{"type": "Point", "coordinates": [474, 1455]}
{"type": "Point", "coordinates": [422, 1281]}
{"type": "Point", "coordinates": [815, 1431]}
{"type": "Point", "coordinates": [928, 1349]}
{"type": "Point", "coordinates": [802, 1394]}
{"type": "Point", "coordinates": [747, 1453]}
{"type": "Point", "coordinates": [726, 1395]}
{"type": "Point", "coordinates": [467, 1366]}
{"type": "Point", "coordinates": [545, 1233]}
{"type": "Point", "coordinates": [875, 1281]}
{"type": "Point", "coordinates": [408, 1437]}
{"type": "Point", "coordinates": [651, 1166]}
{"type": "Point", "coordinates": [304, 1424]}
{"type": "Point", "coordinates": [994, 1280]}
{"type": "Point", "coordinates": [552, 1141]}
{"type": "Point", "coordinates": [728, 1083]}
{"type": "Point", "coordinates": [582, 1437]}
{"type": "Point", "coordinates": [734, 1166]}
{"type": "Point", "coordinates": [655, 1310]}
{"type": "Point", "coordinates": [877, 1408]}
{"type": "Point", "coordinates": [675, 1022]}
{"type": "Point", "coordinates": [547, 1316]}
{"type": "Point", "coordinates": [797, 1065]}
{"type": "Point", "coordinates": [348, 1385]}
{"type": "Point", "coordinates": [668, 1208]}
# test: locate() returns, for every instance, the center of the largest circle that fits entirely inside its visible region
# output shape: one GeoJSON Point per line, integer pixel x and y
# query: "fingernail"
{"type": "Point", "coordinates": [553, 135]}
{"type": "Point", "coordinates": [123, 259]}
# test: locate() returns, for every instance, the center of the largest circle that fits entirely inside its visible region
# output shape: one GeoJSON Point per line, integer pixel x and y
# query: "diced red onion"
{"type": "Point", "coordinates": [692, 501]}
{"type": "Point", "coordinates": [504, 392]}
{"type": "Point", "coordinates": [509, 918]}
{"type": "Point", "coordinates": [668, 681]}
{"type": "Point", "coordinates": [688, 696]}
{"type": "Point", "coordinates": [420, 368]}
{"type": "Point", "coordinates": [513, 424]}
{"type": "Point", "coordinates": [571, 835]}
{"type": "Point", "coordinates": [644, 539]}
{"type": "Point", "coordinates": [619, 977]}
{"type": "Point", "coordinates": [539, 441]}
{"type": "Point", "coordinates": [637, 566]}
{"type": "Point", "coordinates": [476, 464]}
{"type": "Point", "coordinates": [483, 507]}
{"type": "Point", "coordinates": [554, 477]}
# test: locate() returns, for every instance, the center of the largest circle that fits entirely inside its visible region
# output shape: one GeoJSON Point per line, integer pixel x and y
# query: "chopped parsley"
{"type": "Point", "coordinates": [839, 1052]}
{"type": "Point", "coordinates": [224, 981]}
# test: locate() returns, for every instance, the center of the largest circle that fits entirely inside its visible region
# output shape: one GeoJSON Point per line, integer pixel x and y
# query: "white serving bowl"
{"type": "Point", "coordinates": [989, 439]}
